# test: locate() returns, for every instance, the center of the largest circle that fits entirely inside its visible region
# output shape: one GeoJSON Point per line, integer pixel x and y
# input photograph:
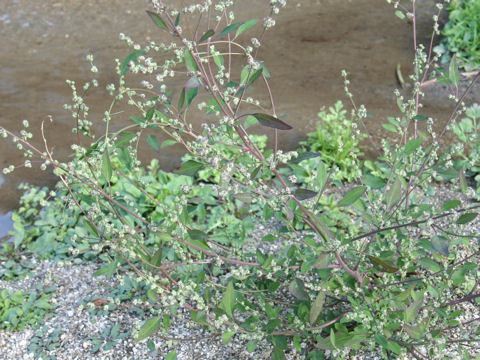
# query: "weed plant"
{"type": "Point", "coordinates": [387, 266]}
{"type": "Point", "coordinates": [462, 34]}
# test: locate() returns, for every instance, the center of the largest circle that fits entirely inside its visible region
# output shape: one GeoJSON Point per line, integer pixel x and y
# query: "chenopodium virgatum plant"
{"type": "Point", "coordinates": [397, 274]}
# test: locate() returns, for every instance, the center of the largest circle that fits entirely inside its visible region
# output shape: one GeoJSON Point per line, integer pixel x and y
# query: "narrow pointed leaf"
{"type": "Point", "coordinates": [382, 265]}
{"type": "Point", "coordinates": [270, 121]}
{"type": "Point", "coordinates": [106, 166]}
{"type": "Point", "coordinates": [304, 156]}
{"type": "Point", "coordinates": [244, 27]}
{"type": "Point", "coordinates": [197, 234]}
{"type": "Point", "coordinates": [150, 326]}
{"type": "Point", "coordinates": [352, 196]}
{"type": "Point", "coordinates": [190, 95]}
{"type": "Point", "coordinates": [316, 308]}
{"type": "Point", "coordinates": [189, 168]}
{"type": "Point", "coordinates": [168, 142]}
{"type": "Point", "coordinates": [244, 197]}
{"type": "Point", "coordinates": [124, 66]}
{"type": "Point", "coordinates": [228, 300]}
{"type": "Point", "coordinates": [230, 28]}
{"type": "Point", "coordinates": [190, 61]}
{"type": "Point", "coordinates": [450, 204]}
{"type": "Point", "coordinates": [322, 175]}
{"type": "Point", "coordinates": [206, 35]}
{"type": "Point", "coordinates": [453, 73]}
{"type": "Point", "coordinates": [463, 181]}
{"type": "Point", "coordinates": [394, 194]}
{"type": "Point", "coordinates": [303, 194]}
{"type": "Point", "coordinates": [153, 142]}
{"type": "Point", "coordinates": [181, 100]}
{"type": "Point", "coordinates": [157, 20]}
{"type": "Point", "coordinates": [466, 218]}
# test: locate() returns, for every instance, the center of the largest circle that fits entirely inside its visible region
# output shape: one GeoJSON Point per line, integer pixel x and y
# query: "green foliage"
{"type": "Point", "coordinates": [337, 140]}
{"type": "Point", "coordinates": [468, 133]}
{"type": "Point", "coordinates": [19, 310]}
{"type": "Point", "coordinates": [232, 239]}
{"type": "Point", "coordinates": [462, 33]}
{"type": "Point", "coordinates": [43, 341]}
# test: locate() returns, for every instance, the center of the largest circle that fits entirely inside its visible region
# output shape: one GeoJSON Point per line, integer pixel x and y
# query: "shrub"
{"type": "Point", "coordinates": [384, 265]}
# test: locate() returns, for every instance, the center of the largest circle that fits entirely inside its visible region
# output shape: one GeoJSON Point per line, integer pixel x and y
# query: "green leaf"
{"type": "Point", "coordinates": [181, 100]}
{"type": "Point", "coordinates": [430, 264]}
{"type": "Point", "coordinates": [322, 175]}
{"type": "Point", "coordinates": [230, 28]}
{"type": "Point", "coordinates": [207, 34]}
{"type": "Point", "coordinates": [463, 181]}
{"type": "Point", "coordinates": [244, 197]}
{"type": "Point", "coordinates": [304, 156]}
{"type": "Point", "coordinates": [395, 347]}
{"type": "Point", "coordinates": [441, 244]}
{"type": "Point", "coordinates": [190, 95]}
{"type": "Point", "coordinates": [382, 265]}
{"type": "Point", "coordinates": [389, 127]}
{"type": "Point", "coordinates": [148, 328]}
{"type": "Point", "coordinates": [131, 57]}
{"type": "Point", "coordinates": [197, 234]}
{"type": "Point", "coordinates": [458, 276]}
{"type": "Point", "coordinates": [91, 228]}
{"type": "Point", "coordinates": [411, 311]}
{"type": "Point", "coordinates": [255, 172]}
{"type": "Point", "coordinates": [412, 145]}
{"type": "Point", "coordinates": [374, 182]}
{"type": "Point", "coordinates": [466, 218]}
{"type": "Point", "coordinates": [420, 117]}
{"type": "Point", "coordinates": [172, 355]}
{"type": "Point", "coordinates": [400, 14]}
{"type": "Point", "coordinates": [341, 339]}
{"type": "Point", "coordinates": [157, 20]}
{"type": "Point", "coordinates": [244, 27]}
{"type": "Point", "coordinates": [332, 338]}
{"type": "Point", "coordinates": [189, 168]}
{"type": "Point", "coordinates": [190, 61]}
{"type": "Point", "coordinates": [153, 142]}
{"type": "Point", "coordinates": [126, 138]}
{"type": "Point", "coordinates": [450, 204]}
{"type": "Point", "coordinates": [106, 166]}
{"type": "Point", "coordinates": [218, 60]}
{"type": "Point", "coordinates": [394, 194]}
{"type": "Point", "coordinates": [168, 142]}
{"type": "Point", "coordinates": [227, 336]}
{"type": "Point", "coordinates": [297, 288]}
{"type": "Point", "coordinates": [415, 332]}
{"type": "Point", "coordinates": [453, 74]}
{"type": "Point", "coordinates": [352, 196]}
{"type": "Point", "coordinates": [316, 308]}
{"type": "Point", "coordinates": [248, 75]}
{"type": "Point", "coordinates": [270, 121]}
{"type": "Point", "coordinates": [228, 300]}
{"type": "Point", "coordinates": [278, 354]}
{"type": "Point", "coordinates": [303, 194]}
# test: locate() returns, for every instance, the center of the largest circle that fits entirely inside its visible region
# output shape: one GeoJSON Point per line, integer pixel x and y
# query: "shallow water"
{"type": "Point", "coordinates": [46, 43]}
